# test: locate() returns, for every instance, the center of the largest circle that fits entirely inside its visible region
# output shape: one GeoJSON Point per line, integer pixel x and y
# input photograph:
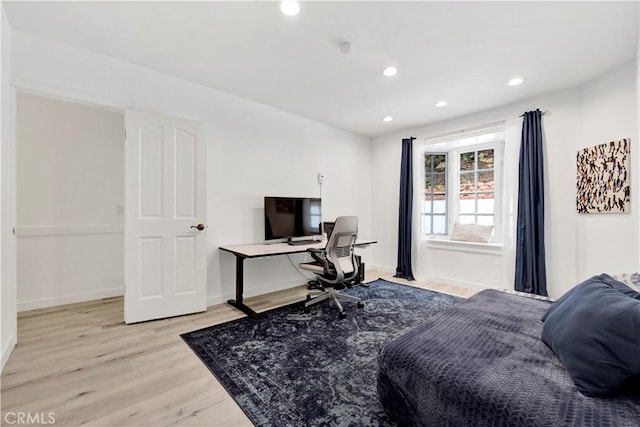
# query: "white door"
{"type": "Point", "coordinates": [165, 205]}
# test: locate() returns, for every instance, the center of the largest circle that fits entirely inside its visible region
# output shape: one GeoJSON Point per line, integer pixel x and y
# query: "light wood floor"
{"type": "Point", "coordinates": [83, 364]}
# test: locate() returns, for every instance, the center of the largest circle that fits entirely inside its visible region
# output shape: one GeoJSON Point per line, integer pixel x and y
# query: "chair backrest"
{"type": "Point", "coordinates": [340, 247]}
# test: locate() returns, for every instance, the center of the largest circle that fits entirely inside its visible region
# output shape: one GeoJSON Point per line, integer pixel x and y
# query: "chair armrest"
{"type": "Point", "coordinates": [318, 256]}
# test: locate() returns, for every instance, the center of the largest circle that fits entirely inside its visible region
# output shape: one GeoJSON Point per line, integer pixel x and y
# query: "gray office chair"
{"type": "Point", "coordinates": [335, 265]}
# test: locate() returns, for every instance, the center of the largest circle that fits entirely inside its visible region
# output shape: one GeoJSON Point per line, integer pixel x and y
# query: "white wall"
{"type": "Point", "coordinates": [608, 111]}
{"type": "Point", "coordinates": [280, 160]}
{"type": "Point", "coordinates": [577, 246]}
{"type": "Point", "coordinates": [70, 201]}
{"type": "Point", "coordinates": [253, 150]}
{"type": "Point", "coordinates": [462, 266]}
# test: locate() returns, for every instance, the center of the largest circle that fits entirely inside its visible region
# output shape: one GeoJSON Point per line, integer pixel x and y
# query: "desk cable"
{"type": "Point", "coordinates": [298, 270]}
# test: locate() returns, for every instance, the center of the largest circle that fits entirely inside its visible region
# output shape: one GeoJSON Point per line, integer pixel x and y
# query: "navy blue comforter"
{"type": "Point", "coordinates": [482, 363]}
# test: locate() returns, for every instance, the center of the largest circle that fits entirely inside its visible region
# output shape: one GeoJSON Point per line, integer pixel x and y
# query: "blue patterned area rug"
{"type": "Point", "coordinates": [288, 368]}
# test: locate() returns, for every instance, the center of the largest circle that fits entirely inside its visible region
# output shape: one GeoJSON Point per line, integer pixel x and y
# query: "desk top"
{"type": "Point", "coordinates": [257, 250]}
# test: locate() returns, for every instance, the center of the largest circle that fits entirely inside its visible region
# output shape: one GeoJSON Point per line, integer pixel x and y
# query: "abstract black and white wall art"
{"type": "Point", "coordinates": [603, 178]}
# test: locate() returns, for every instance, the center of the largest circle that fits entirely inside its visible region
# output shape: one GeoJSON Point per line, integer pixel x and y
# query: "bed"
{"type": "Point", "coordinates": [482, 363]}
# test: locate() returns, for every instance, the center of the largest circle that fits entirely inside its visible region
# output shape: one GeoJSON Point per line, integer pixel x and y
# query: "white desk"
{"type": "Point", "coordinates": [260, 250]}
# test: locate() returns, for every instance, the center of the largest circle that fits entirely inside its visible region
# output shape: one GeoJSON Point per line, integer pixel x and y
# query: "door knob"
{"type": "Point", "coordinates": [199, 227]}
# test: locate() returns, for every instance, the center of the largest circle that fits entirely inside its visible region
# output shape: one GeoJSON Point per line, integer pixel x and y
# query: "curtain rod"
{"type": "Point", "coordinates": [455, 132]}
{"type": "Point", "coordinates": [471, 129]}
{"type": "Point", "coordinates": [543, 113]}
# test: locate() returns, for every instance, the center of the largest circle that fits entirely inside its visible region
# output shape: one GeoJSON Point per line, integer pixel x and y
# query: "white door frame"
{"type": "Point", "coordinates": [8, 252]}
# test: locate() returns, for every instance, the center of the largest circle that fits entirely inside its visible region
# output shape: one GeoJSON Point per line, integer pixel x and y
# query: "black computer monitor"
{"type": "Point", "coordinates": [328, 228]}
{"type": "Point", "coordinates": [290, 217]}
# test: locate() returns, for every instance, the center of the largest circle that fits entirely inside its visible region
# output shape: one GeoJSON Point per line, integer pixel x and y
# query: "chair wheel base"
{"type": "Point", "coordinates": [360, 304]}
{"type": "Point", "coordinates": [342, 315]}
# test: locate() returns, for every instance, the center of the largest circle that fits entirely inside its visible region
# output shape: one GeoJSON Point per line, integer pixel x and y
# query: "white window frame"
{"type": "Point", "coordinates": [447, 180]}
{"type": "Point", "coordinates": [453, 147]}
{"type": "Point", "coordinates": [453, 202]}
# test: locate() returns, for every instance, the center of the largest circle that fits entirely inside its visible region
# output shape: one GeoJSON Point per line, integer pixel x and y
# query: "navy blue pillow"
{"type": "Point", "coordinates": [595, 331]}
{"type": "Point", "coordinates": [604, 278]}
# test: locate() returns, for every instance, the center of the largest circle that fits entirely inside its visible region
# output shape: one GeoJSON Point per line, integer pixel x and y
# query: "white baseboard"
{"type": "Point", "coordinates": [215, 300]}
{"type": "Point", "coordinates": [7, 350]}
{"type": "Point", "coordinates": [463, 284]}
{"type": "Point", "coordinates": [383, 268]}
{"type": "Point", "coordinates": [439, 279]}
{"type": "Point", "coordinates": [70, 299]}
{"type": "Point", "coordinates": [253, 291]}
{"type": "Point", "coordinates": [248, 293]}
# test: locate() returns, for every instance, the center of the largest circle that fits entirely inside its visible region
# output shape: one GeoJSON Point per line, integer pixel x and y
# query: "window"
{"type": "Point", "coordinates": [434, 202]}
{"type": "Point", "coordinates": [476, 195]}
{"type": "Point", "coordinates": [461, 182]}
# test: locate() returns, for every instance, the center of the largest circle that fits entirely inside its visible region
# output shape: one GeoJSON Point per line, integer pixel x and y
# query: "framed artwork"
{"type": "Point", "coordinates": [603, 178]}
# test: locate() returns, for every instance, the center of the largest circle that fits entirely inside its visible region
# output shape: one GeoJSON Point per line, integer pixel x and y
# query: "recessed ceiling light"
{"type": "Point", "coordinates": [388, 119]}
{"type": "Point", "coordinates": [390, 71]}
{"type": "Point", "coordinates": [515, 82]}
{"type": "Point", "coordinates": [441, 103]}
{"type": "Point", "coordinates": [290, 7]}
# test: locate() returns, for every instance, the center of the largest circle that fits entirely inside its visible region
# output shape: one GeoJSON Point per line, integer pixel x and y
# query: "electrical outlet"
{"type": "Point", "coordinates": [320, 177]}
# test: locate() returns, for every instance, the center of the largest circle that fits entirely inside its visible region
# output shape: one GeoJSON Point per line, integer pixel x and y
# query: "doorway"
{"type": "Point", "coordinates": [69, 201]}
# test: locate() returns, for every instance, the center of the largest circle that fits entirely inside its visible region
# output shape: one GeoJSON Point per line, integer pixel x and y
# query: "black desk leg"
{"type": "Point", "coordinates": [238, 302]}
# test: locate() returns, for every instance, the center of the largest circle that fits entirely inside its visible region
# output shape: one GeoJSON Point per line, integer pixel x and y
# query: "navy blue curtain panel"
{"type": "Point", "coordinates": [531, 274]}
{"type": "Point", "coordinates": [403, 269]}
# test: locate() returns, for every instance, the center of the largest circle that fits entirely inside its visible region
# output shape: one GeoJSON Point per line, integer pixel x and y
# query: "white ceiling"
{"type": "Point", "coordinates": [463, 52]}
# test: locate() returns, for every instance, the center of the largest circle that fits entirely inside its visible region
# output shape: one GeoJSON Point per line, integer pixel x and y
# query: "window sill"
{"type": "Point", "coordinates": [473, 247]}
